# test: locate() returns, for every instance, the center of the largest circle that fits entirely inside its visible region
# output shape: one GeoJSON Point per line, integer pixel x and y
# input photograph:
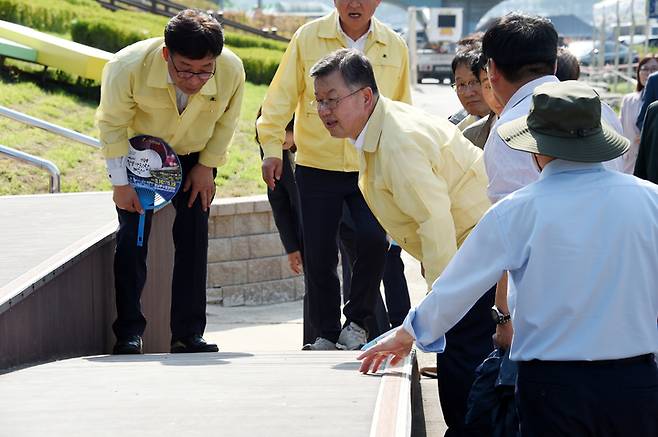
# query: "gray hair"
{"type": "Point", "coordinates": [354, 67]}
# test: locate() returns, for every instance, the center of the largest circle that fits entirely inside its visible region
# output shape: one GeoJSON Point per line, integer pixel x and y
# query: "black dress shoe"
{"type": "Point", "coordinates": [128, 346]}
{"type": "Point", "coordinates": [194, 343]}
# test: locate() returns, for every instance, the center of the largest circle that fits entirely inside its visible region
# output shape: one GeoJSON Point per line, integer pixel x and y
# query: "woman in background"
{"type": "Point", "coordinates": [631, 104]}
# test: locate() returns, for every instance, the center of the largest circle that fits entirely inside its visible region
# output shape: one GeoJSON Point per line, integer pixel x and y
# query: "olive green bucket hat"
{"type": "Point", "coordinates": [565, 122]}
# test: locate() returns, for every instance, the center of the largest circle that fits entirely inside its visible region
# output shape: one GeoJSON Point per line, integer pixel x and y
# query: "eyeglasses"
{"type": "Point", "coordinates": [203, 75]}
{"type": "Point", "coordinates": [647, 69]}
{"type": "Point", "coordinates": [463, 87]}
{"type": "Point", "coordinates": [332, 104]}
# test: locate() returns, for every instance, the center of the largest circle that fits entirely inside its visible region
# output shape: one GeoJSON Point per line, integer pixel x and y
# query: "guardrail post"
{"type": "Point", "coordinates": [35, 161]}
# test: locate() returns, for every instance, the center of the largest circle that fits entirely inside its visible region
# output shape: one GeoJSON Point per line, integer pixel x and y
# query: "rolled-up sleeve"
{"type": "Point", "coordinates": [474, 269]}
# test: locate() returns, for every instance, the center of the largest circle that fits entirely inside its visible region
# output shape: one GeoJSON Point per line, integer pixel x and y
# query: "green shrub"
{"type": "Point", "coordinates": [114, 35]}
{"type": "Point", "coordinates": [54, 16]}
{"type": "Point", "coordinates": [259, 64]}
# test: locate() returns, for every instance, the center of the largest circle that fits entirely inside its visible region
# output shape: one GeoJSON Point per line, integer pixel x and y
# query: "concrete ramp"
{"type": "Point", "coordinates": [228, 394]}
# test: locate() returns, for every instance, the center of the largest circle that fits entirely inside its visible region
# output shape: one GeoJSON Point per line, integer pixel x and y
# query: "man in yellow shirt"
{"type": "Point", "coordinates": [186, 89]}
{"type": "Point", "coordinates": [327, 168]}
{"type": "Point", "coordinates": [426, 184]}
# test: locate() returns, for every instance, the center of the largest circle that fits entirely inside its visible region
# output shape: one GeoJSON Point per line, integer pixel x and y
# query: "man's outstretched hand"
{"type": "Point", "coordinates": [398, 344]}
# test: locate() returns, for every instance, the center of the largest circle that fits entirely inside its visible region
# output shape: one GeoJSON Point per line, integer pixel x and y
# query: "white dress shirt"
{"type": "Point", "coordinates": [508, 169]}
{"type": "Point", "coordinates": [359, 44]}
{"type": "Point", "coordinates": [580, 247]}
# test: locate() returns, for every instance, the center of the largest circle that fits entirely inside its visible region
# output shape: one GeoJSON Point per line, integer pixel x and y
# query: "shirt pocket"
{"type": "Point", "coordinates": [154, 116]}
{"type": "Point", "coordinates": [202, 126]}
{"type": "Point", "coordinates": [387, 71]}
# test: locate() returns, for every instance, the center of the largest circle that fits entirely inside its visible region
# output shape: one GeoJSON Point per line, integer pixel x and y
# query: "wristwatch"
{"type": "Point", "coordinates": [499, 317]}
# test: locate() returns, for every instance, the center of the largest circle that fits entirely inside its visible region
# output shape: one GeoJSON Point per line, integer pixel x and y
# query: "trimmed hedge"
{"type": "Point", "coordinates": [112, 36]}
{"type": "Point", "coordinates": [259, 64]}
{"type": "Point", "coordinates": [51, 15]}
{"type": "Point", "coordinates": [239, 40]}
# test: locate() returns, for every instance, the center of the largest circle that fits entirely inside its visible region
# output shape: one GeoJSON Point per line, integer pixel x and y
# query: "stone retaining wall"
{"type": "Point", "coordinates": [247, 264]}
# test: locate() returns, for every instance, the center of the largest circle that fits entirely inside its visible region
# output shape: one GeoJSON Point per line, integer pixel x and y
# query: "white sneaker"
{"type": "Point", "coordinates": [352, 337]}
{"type": "Point", "coordinates": [320, 344]}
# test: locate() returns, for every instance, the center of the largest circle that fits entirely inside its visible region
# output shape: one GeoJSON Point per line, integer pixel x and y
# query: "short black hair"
{"type": "Point", "coordinates": [354, 67]}
{"type": "Point", "coordinates": [471, 39]}
{"type": "Point", "coordinates": [467, 55]}
{"type": "Point", "coordinates": [480, 63]}
{"type": "Point", "coordinates": [194, 34]}
{"type": "Point", "coordinates": [522, 46]}
{"type": "Point", "coordinates": [568, 67]}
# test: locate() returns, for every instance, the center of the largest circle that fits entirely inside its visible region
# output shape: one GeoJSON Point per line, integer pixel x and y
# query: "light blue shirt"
{"type": "Point", "coordinates": [581, 247]}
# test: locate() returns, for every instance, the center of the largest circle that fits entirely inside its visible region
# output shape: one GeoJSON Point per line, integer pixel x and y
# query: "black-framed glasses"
{"type": "Point", "coordinates": [463, 87]}
{"type": "Point", "coordinates": [203, 75]}
{"type": "Point", "coordinates": [332, 104]}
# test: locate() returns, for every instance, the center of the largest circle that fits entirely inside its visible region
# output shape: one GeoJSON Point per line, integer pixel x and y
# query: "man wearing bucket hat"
{"type": "Point", "coordinates": [579, 245]}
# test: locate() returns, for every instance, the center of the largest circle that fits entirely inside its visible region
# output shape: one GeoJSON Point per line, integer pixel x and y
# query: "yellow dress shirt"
{"type": "Point", "coordinates": [423, 180]}
{"type": "Point", "coordinates": [292, 90]}
{"type": "Point", "coordinates": [137, 98]}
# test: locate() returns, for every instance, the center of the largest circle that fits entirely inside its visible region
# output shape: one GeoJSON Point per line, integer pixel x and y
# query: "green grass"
{"type": "Point", "coordinates": [82, 167]}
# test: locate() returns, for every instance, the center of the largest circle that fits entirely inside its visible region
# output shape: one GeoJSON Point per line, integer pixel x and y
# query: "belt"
{"type": "Point", "coordinates": [595, 363]}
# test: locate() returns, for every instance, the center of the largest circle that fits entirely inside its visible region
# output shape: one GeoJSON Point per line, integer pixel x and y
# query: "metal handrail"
{"type": "Point", "coordinates": [50, 127]}
{"type": "Point", "coordinates": [55, 183]}
{"type": "Point", "coordinates": [55, 179]}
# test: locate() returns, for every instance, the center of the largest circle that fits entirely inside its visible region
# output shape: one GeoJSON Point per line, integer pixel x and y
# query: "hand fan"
{"type": "Point", "coordinates": [155, 172]}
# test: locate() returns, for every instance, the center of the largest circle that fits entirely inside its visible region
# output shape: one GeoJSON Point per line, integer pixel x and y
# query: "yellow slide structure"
{"type": "Point", "coordinates": [68, 56]}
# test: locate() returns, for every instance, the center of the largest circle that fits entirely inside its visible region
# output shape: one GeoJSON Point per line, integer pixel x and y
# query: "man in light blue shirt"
{"type": "Point", "coordinates": [579, 245]}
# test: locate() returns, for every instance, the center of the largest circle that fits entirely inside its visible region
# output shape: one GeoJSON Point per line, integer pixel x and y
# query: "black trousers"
{"type": "Point", "coordinates": [468, 343]}
{"type": "Point", "coordinates": [188, 290]}
{"type": "Point", "coordinates": [396, 290]}
{"type": "Point", "coordinates": [597, 398]}
{"type": "Point", "coordinates": [380, 323]}
{"type": "Point", "coordinates": [322, 194]}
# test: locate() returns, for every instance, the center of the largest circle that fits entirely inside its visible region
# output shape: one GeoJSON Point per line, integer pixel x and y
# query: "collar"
{"type": "Point", "coordinates": [527, 90]}
{"type": "Point", "coordinates": [374, 126]}
{"type": "Point", "coordinates": [562, 166]}
{"type": "Point", "coordinates": [361, 139]}
{"type": "Point", "coordinates": [341, 32]}
{"type": "Point", "coordinates": [158, 75]}
{"type": "Point", "coordinates": [329, 28]}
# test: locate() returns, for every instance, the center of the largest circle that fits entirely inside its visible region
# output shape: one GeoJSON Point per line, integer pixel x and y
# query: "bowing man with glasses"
{"type": "Point", "coordinates": [187, 89]}
{"type": "Point", "coordinates": [426, 184]}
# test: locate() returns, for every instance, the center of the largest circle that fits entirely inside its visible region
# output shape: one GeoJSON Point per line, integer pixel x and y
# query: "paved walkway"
{"type": "Point", "coordinates": [291, 394]}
